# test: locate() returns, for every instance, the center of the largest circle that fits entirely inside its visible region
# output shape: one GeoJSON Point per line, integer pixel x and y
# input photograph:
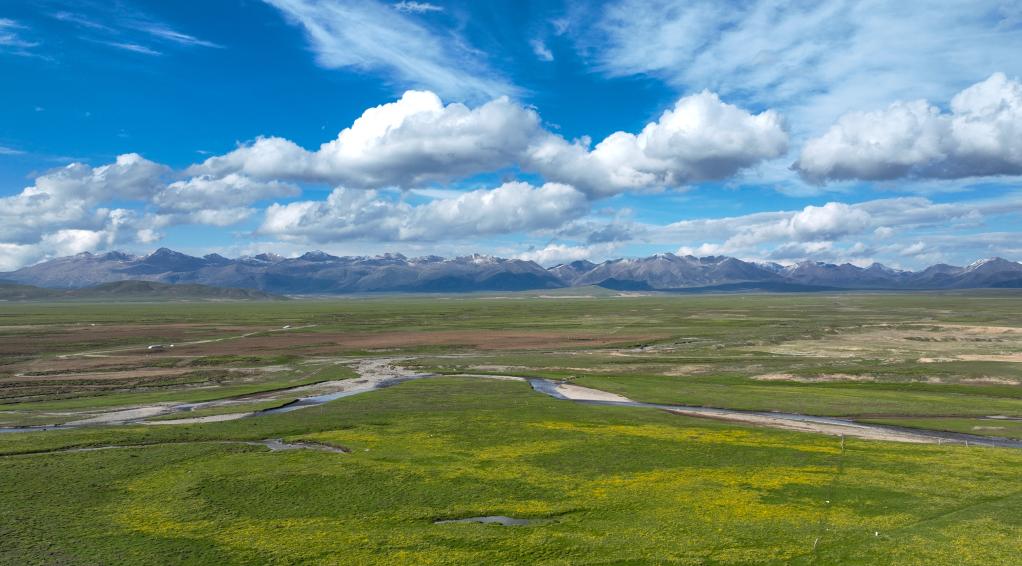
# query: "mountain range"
{"type": "Point", "coordinates": [322, 273]}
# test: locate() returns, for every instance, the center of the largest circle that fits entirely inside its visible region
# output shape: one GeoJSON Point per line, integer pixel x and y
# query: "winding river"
{"type": "Point", "coordinates": [387, 375]}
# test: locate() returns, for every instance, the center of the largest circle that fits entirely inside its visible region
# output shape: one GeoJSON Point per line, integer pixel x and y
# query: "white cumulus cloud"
{"type": "Point", "coordinates": [980, 136]}
{"type": "Point", "coordinates": [417, 139]}
{"type": "Point", "coordinates": [70, 197]}
{"type": "Point", "coordinates": [555, 253]}
{"type": "Point", "coordinates": [211, 193]}
{"type": "Point", "coordinates": [71, 209]}
{"type": "Point", "coordinates": [828, 222]}
{"type": "Point", "coordinates": [403, 143]}
{"type": "Point", "coordinates": [353, 214]}
{"type": "Point", "coordinates": [701, 138]}
{"type": "Point", "coordinates": [843, 230]}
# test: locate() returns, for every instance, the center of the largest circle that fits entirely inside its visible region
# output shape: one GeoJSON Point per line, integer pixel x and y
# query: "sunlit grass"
{"type": "Point", "coordinates": [607, 484]}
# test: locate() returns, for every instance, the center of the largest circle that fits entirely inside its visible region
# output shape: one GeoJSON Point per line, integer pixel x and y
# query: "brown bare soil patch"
{"type": "Point", "coordinates": [103, 375]}
{"type": "Point", "coordinates": [690, 369]}
{"type": "Point", "coordinates": [615, 369]}
{"type": "Point", "coordinates": [493, 340]}
{"type": "Point", "coordinates": [328, 343]}
{"type": "Point", "coordinates": [826, 378]}
{"type": "Point", "coordinates": [991, 381]}
{"type": "Point", "coordinates": [41, 339]}
{"type": "Point", "coordinates": [991, 357]}
{"type": "Point", "coordinates": [926, 342]}
{"type": "Point", "coordinates": [106, 363]}
{"type": "Point", "coordinates": [982, 329]}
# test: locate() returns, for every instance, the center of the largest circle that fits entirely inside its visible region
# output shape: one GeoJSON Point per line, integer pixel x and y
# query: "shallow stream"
{"type": "Point", "coordinates": [550, 387]}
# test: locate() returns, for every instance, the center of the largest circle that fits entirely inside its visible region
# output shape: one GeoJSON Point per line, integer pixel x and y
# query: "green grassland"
{"type": "Point", "coordinates": [607, 485]}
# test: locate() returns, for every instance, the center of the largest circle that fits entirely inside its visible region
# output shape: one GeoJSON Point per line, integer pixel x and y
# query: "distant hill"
{"type": "Point", "coordinates": [312, 273]}
{"type": "Point", "coordinates": [322, 273]}
{"type": "Point", "coordinates": [670, 272]}
{"type": "Point", "coordinates": [131, 290]}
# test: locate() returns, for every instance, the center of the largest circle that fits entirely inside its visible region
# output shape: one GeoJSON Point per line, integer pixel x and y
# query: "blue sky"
{"type": "Point", "coordinates": [776, 131]}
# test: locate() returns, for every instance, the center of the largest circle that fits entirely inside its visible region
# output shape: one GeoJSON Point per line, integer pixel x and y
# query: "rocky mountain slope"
{"type": "Point", "coordinates": [311, 273]}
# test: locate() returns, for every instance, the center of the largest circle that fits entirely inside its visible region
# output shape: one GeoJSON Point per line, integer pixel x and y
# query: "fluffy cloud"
{"type": "Point", "coordinates": [800, 250]}
{"type": "Point", "coordinates": [216, 201]}
{"type": "Point", "coordinates": [352, 214]}
{"type": "Point", "coordinates": [839, 230]}
{"type": "Point", "coordinates": [70, 197]}
{"type": "Point", "coordinates": [69, 241]}
{"type": "Point", "coordinates": [232, 190]}
{"type": "Point", "coordinates": [981, 135]}
{"type": "Point", "coordinates": [417, 139]}
{"type": "Point", "coordinates": [552, 254]}
{"type": "Point", "coordinates": [131, 176]}
{"type": "Point", "coordinates": [831, 221]}
{"type": "Point", "coordinates": [404, 143]}
{"type": "Point", "coordinates": [828, 222]}
{"type": "Point", "coordinates": [876, 145]}
{"type": "Point", "coordinates": [700, 139]}
{"type": "Point", "coordinates": [68, 210]}
{"type": "Point", "coordinates": [73, 198]}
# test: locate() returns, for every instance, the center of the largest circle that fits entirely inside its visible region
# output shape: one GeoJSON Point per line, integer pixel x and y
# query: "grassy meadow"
{"type": "Point", "coordinates": [600, 485]}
